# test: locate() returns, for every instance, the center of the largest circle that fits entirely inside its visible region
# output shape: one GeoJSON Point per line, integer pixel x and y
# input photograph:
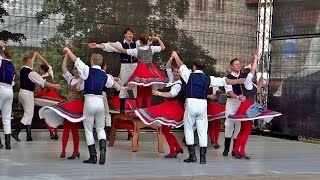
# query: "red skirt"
{"type": "Point", "coordinates": [114, 105]}
{"type": "Point", "coordinates": [146, 75]}
{"type": "Point", "coordinates": [169, 113]}
{"type": "Point", "coordinates": [44, 98]}
{"type": "Point", "coordinates": [216, 111]}
{"type": "Point", "coordinates": [70, 110]}
{"type": "Point", "coordinates": [241, 114]}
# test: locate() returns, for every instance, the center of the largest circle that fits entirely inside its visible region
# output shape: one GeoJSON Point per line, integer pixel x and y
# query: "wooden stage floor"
{"type": "Point", "coordinates": [272, 158]}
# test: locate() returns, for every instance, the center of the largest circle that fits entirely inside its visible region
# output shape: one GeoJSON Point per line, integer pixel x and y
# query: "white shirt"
{"type": "Point", "coordinates": [35, 77]}
{"type": "Point", "coordinates": [50, 72]}
{"type": "Point", "coordinates": [214, 81]}
{"type": "Point", "coordinates": [109, 48]}
{"type": "Point", "coordinates": [83, 70]}
{"type": "Point", "coordinates": [134, 52]}
{"type": "Point", "coordinates": [72, 80]}
{"type": "Point", "coordinates": [248, 84]}
{"type": "Point", "coordinates": [175, 86]}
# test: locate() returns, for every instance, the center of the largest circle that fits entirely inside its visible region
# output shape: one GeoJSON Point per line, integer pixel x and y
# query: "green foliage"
{"type": "Point", "coordinates": [7, 35]}
{"type": "Point", "coordinates": [102, 21]}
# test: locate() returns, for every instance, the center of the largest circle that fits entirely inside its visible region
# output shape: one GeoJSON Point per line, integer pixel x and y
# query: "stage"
{"type": "Point", "coordinates": [272, 158]}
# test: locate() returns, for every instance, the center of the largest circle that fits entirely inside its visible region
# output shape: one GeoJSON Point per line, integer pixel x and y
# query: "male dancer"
{"type": "Point", "coordinates": [7, 74]}
{"type": "Point", "coordinates": [128, 63]}
{"type": "Point", "coordinates": [28, 81]}
{"type": "Point", "coordinates": [234, 93]}
{"type": "Point", "coordinates": [196, 104]}
{"type": "Point", "coordinates": [95, 79]}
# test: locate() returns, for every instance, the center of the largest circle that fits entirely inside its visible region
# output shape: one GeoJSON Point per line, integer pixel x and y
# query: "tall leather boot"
{"type": "Point", "coordinates": [203, 152]}
{"type": "Point", "coordinates": [108, 131]}
{"type": "Point", "coordinates": [192, 155]}
{"type": "Point", "coordinates": [234, 143]}
{"type": "Point", "coordinates": [122, 105]}
{"type": "Point", "coordinates": [15, 133]}
{"type": "Point", "coordinates": [28, 129]}
{"type": "Point", "coordinates": [102, 144]}
{"type": "Point", "coordinates": [7, 141]}
{"type": "Point", "coordinates": [226, 146]}
{"type": "Point", "coordinates": [1, 145]}
{"type": "Point", "coordinates": [93, 155]}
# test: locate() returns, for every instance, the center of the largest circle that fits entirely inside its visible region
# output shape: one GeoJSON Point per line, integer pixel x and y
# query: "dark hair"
{"type": "Point", "coordinates": [144, 38]}
{"type": "Point", "coordinates": [44, 67]}
{"type": "Point", "coordinates": [233, 60]}
{"type": "Point", "coordinates": [26, 59]}
{"type": "Point", "coordinates": [128, 29]}
{"type": "Point", "coordinates": [199, 63]}
{"type": "Point", "coordinates": [8, 53]}
{"type": "Point", "coordinates": [244, 73]}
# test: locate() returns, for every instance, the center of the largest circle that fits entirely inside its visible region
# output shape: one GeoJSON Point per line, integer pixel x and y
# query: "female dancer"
{"type": "Point", "coordinates": [46, 73]}
{"type": "Point", "coordinates": [215, 113]}
{"type": "Point", "coordinates": [70, 111]}
{"type": "Point", "coordinates": [169, 113]}
{"type": "Point", "coordinates": [146, 73]}
{"type": "Point", "coordinates": [249, 109]}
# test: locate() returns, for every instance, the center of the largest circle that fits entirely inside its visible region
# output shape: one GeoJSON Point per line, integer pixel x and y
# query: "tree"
{"type": "Point", "coordinates": [102, 21]}
{"type": "Point", "coordinates": [4, 34]}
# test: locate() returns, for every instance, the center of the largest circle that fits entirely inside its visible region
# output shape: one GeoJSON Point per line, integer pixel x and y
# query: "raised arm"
{"type": "Point", "coordinates": [169, 63]}
{"type": "Point", "coordinates": [169, 70]}
{"type": "Point", "coordinates": [70, 54]}
{"type": "Point", "coordinates": [176, 57]}
{"type": "Point", "coordinates": [43, 59]}
{"type": "Point", "coordinates": [64, 64]}
{"type": "Point", "coordinates": [2, 45]}
{"type": "Point", "coordinates": [35, 53]}
{"type": "Point", "coordinates": [254, 63]}
{"type": "Point", "coordinates": [160, 42]}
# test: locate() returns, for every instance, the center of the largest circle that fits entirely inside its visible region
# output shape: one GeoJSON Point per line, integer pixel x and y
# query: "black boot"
{"type": "Point", "coordinates": [203, 152]}
{"type": "Point", "coordinates": [93, 155]}
{"type": "Point", "coordinates": [102, 144]}
{"type": "Point", "coordinates": [7, 141]}
{"type": "Point", "coordinates": [15, 133]}
{"type": "Point", "coordinates": [28, 129]}
{"type": "Point", "coordinates": [234, 143]}
{"type": "Point", "coordinates": [192, 155]}
{"type": "Point", "coordinates": [226, 146]}
{"type": "Point", "coordinates": [122, 104]}
{"type": "Point", "coordinates": [107, 129]}
{"type": "Point", "coordinates": [1, 145]}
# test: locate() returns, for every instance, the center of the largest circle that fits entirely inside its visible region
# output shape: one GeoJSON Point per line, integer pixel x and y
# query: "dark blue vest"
{"type": "Point", "coordinates": [181, 97]}
{"type": "Point", "coordinates": [95, 82]}
{"type": "Point", "coordinates": [25, 82]}
{"type": "Point", "coordinates": [7, 72]}
{"type": "Point", "coordinates": [198, 86]}
{"type": "Point", "coordinates": [235, 88]}
{"type": "Point", "coordinates": [125, 58]}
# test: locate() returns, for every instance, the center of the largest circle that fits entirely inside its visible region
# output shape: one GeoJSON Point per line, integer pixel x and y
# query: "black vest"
{"type": "Point", "coordinates": [235, 88]}
{"type": "Point", "coordinates": [25, 82]}
{"type": "Point", "coordinates": [181, 97]}
{"type": "Point", "coordinates": [125, 58]}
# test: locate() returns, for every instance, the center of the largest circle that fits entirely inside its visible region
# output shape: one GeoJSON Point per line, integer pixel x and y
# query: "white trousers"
{"type": "Point", "coordinates": [126, 71]}
{"type": "Point", "coordinates": [196, 115]}
{"type": "Point", "coordinates": [93, 111]}
{"type": "Point", "coordinates": [232, 127]}
{"type": "Point", "coordinates": [106, 109]}
{"type": "Point", "coordinates": [26, 98]}
{"type": "Point", "coordinates": [6, 99]}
